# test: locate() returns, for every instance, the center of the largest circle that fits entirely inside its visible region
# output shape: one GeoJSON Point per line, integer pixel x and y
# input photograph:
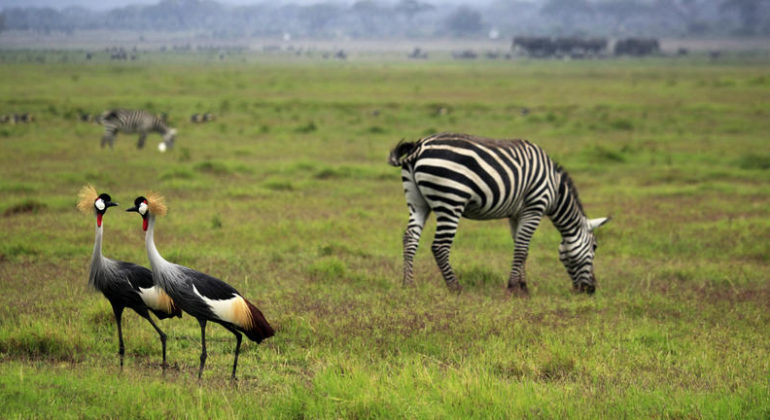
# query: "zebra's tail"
{"type": "Point", "coordinates": [402, 153]}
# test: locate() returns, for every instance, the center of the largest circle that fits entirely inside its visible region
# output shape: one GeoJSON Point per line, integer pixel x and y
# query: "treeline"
{"type": "Point", "coordinates": [412, 18]}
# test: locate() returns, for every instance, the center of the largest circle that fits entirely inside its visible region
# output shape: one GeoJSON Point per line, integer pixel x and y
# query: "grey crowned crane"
{"type": "Point", "coordinates": [124, 284]}
{"type": "Point", "coordinates": [200, 295]}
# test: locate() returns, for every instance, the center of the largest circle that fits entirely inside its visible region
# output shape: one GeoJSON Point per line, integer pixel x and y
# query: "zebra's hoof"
{"type": "Point", "coordinates": [456, 289]}
{"type": "Point", "coordinates": [518, 291]}
{"type": "Point", "coordinates": [588, 289]}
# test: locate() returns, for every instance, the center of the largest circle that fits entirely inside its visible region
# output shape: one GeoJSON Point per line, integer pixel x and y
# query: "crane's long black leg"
{"type": "Point", "coordinates": [203, 346]}
{"type": "Point", "coordinates": [162, 339]}
{"type": "Point", "coordinates": [238, 337]}
{"type": "Point", "coordinates": [118, 310]}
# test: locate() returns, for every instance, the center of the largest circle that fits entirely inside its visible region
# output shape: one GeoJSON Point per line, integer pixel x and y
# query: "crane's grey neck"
{"type": "Point", "coordinates": [156, 259]}
{"type": "Point", "coordinates": [96, 257]}
{"type": "Point", "coordinates": [163, 272]}
{"type": "Point", "coordinates": [98, 243]}
{"type": "Point", "coordinates": [100, 267]}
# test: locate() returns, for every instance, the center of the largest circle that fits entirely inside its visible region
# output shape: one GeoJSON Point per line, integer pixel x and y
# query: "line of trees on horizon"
{"type": "Point", "coordinates": [364, 19]}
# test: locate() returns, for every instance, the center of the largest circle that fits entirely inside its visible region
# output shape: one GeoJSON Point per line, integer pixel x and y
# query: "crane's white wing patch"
{"type": "Point", "coordinates": [156, 298]}
{"type": "Point", "coordinates": [233, 310]}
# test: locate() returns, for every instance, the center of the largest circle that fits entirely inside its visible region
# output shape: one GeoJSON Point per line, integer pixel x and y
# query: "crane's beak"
{"type": "Point", "coordinates": [133, 209]}
{"type": "Point", "coordinates": [111, 204]}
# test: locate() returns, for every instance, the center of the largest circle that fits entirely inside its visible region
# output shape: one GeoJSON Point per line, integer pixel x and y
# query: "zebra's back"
{"type": "Point", "coordinates": [478, 177]}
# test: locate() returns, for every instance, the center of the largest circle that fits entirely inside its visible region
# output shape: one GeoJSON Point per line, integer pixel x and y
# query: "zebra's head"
{"type": "Point", "coordinates": [169, 137]}
{"type": "Point", "coordinates": [577, 254]}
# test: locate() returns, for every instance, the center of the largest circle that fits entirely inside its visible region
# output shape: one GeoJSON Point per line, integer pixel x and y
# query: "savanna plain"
{"type": "Point", "coordinates": [288, 197]}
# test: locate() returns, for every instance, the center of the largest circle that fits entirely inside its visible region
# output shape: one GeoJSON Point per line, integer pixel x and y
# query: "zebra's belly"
{"type": "Point", "coordinates": [475, 212]}
{"type": "Point", "coordinates": [131, 130]}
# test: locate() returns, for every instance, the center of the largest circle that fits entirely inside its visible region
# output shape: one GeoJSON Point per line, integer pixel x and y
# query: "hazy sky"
{"type": "Point", "coordinates": [109, 4]}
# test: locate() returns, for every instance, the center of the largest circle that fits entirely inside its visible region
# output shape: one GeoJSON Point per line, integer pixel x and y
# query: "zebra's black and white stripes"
{"type": "Point", "coordinates": [458, 175]}
{"type": "Point", "coordinates": [135, 121]}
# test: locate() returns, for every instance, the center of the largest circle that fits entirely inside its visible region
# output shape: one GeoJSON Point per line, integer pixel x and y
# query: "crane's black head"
{"type": "Point", "coordinates": [89, 202]}
{"type": "Point", "coordinates": [103, 202]}
{"type": "Point", "coordinates": [141, 207]}
{"type": "Point", "coordinates": [145, 206]}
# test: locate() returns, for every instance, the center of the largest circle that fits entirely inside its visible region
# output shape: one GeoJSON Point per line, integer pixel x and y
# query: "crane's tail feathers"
{"type": "Point", "coordinates": [402, 153]}
{"type": "Point", "coordinates": [257, 328]}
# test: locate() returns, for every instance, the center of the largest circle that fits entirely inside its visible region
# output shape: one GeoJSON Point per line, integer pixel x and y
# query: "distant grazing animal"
{"type": "Point", "coordinates": [459, 175]}
{"type": "Point", "coordinates": [134, 121]}
{"type": "Point", "coordinates": [84, 117]}
{"type": "Point", "coordinates": [17, 118]}
{"type": "Point", "coordinates": [124, 284]}
{"type": "Point", "coordinates": [637, 47]}
{"type": "Point", "coordinates": [201, 118]}
{"type": "Point", "coordinates": [200, 295]}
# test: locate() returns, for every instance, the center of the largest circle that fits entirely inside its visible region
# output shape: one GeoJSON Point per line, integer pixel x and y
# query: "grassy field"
{"type": "Point", "coordinates": [288, 197]}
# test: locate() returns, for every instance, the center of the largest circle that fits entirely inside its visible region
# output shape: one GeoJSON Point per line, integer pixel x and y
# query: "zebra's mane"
{"type": "Point", "coordinates": [570, 185]}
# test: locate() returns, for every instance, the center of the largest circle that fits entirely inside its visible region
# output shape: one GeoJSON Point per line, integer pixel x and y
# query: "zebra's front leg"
{"type": "Point", "coordinates": [522, 230]}
{"type": "Point", "coordinates": [446, 227]}
{"type": "Point", "coordinates": [108, 139]}
{"type": "Point", "coordinates": [417, 216]}
{"type": "Point", "coordinates": [142, 138]}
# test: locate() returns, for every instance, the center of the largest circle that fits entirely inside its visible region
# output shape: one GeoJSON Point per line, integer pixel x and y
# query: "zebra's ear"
{"type": "Point", "coordinates": [595, 223]}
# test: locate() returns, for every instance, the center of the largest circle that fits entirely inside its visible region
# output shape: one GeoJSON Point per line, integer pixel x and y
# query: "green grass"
{"type": "Point", "coordinates": [287, 196]}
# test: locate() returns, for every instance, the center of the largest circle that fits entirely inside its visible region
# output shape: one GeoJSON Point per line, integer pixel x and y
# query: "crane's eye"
{"type": "Point", "coordinates": [99, 204]}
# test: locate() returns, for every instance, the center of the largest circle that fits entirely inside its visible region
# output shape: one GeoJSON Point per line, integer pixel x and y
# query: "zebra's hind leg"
{"type": "Point", "coordinates": [446, 228]}
{"type": "Point", "coordinates": [522, 230]}
{"type": "Point", "coordinates": [417, 216]}
{"type": "Point", "coordinates": [418, 213]}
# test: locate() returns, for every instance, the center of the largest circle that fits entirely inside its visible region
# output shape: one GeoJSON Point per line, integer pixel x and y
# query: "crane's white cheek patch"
{"type": "Point", "coordinates": [233, 310]}
{"type": "Point", "coordinates": [99, 204]}
{"type": "Point", "coordinates": [143, 208]}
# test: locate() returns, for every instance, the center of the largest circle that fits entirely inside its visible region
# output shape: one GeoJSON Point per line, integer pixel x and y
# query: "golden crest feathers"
{"type": "Point", "coordinates": [86, 198]}
{"type": "Point", "coordinates": [156, 204]}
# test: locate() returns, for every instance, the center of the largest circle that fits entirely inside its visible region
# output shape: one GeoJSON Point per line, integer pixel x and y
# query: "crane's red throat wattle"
{"type": "Point", "coordinates": [99, 219]}
{"type": "Point", "coordinates": [144, 224]}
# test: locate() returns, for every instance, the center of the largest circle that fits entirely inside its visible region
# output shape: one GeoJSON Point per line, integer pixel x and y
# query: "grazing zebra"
{"type": "Point", "coordinates": [458, 175]}
{"type": "Point", "coordinates": [134, 121]}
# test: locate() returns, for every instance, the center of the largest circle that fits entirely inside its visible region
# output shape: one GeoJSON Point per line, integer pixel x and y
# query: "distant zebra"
{"type": "Point", "coordinates": [134, 121]}
{"type": "Point", "coordinates": [458, 175]}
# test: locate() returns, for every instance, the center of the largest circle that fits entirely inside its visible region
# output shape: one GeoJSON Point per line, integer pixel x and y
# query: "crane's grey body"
{"type": "Point", "coordinates": [202, 296]}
